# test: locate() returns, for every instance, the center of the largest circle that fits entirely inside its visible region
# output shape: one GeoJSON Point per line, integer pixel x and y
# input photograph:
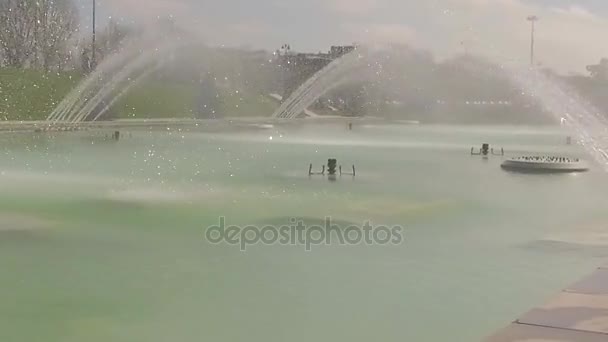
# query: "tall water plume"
{"type": "Point", "coordinates": [557, 98]}
{"type": "Point", "coordinates": [95, 94]}
{"type": "Point", "coordinates": [320, 83]}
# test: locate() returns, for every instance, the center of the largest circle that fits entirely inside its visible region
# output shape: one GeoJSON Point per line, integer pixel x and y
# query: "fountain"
{"type": "Point", "coordinates": [163, 187]}
{"type": "Point", "coordinates": [75, 98]}
{"type": "Point", "coordinates": [109, 82]}
{"type": "Point", "coordinates": [589, 124]}
{"type": "Point", "coordinates": [320, 83]}
{"type": "Point", "coordinates": [562, 102]}
{"type": "Point", "coordinates": [120, 72]}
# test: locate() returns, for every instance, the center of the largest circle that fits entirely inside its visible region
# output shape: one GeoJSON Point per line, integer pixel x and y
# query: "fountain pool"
{"type": "Point", "coordinates": [105, 241]}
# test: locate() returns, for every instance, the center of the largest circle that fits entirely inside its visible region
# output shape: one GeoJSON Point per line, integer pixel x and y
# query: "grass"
{"type": "Point", "coordinates": [152, 100]}
{"type": "Point", "coordinates": [158, 99]}
{"type": "Point", "coordinates": [32, 95]}
{"type": "Point", "coordinates": [247, 105]}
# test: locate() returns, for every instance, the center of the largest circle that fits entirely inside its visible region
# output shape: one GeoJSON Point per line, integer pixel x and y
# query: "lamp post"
{"type": "Point", "coordinates": [93, 62]}
{"type": "Point", "coordinates": [532, 19]}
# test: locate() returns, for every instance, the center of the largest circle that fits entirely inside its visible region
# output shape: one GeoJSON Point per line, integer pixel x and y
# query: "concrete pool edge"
{"type": "Point", "coordinates": [577, 314]}
{"type": "Point", "coordinates": [121, 123]}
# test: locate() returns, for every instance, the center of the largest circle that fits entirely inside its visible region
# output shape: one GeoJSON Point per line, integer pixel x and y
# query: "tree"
{"type": "Point", "coordinates": [108, 42]}
{"type": "Point", "coordinates": [58, 22]}
{"type": "Point", "coordinates": [36, 33]}
{"type": "Point", "coordinates": [18, 24]}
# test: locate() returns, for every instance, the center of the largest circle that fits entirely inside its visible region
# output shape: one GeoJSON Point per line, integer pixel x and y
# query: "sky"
{"type": "Point", "coordinates": [569, 35]}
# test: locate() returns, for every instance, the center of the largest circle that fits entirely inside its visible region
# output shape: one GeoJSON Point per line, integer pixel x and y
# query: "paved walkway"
{"type": "Point", "coordinates": [577, 314]}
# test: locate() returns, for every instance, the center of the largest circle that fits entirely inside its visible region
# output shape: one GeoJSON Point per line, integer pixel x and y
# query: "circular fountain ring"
{"type": "Point", "coordinates": [545, 164]}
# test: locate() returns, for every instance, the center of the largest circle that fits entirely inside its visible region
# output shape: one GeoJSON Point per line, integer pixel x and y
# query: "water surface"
{"type": "Point", "coordinates": [104, 241]}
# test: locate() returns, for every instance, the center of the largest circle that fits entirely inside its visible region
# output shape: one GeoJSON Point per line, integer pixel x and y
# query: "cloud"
{"type": "Point", "coordinates": [568, 36]}
{"type": "Point", "coordinates": [356, 7]}
{"type": "Point", "coordinates": [150, 9]}
{"type": "Point", "coordinates": [383, 34]}
{"type": "Point", "coordinates": [577, 12]}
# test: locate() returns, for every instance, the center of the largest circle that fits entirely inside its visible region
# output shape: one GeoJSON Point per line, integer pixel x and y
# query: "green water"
{"type": "Point", "coordinates": [105, 241]}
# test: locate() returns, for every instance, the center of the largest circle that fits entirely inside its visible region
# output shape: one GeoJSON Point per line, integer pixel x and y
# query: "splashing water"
{"type": "Point", "coordinates": [126, 89]}
{"type": "Point", "coordinates": [129, 76]}
{"type": "Point", "coordinates": [77, 97]}
{"type": "Point", "coordinates": [590, 125]}
{"type": "Point", "coordinates": [557, 98]}
{"type": "Point", "coordinates": [110, 81]}
{"type": "Point", "coordinates": [320, 83]}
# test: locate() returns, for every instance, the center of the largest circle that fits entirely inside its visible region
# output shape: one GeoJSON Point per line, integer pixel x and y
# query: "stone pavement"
{"type": "Point", "coordinates": [577, 314]}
